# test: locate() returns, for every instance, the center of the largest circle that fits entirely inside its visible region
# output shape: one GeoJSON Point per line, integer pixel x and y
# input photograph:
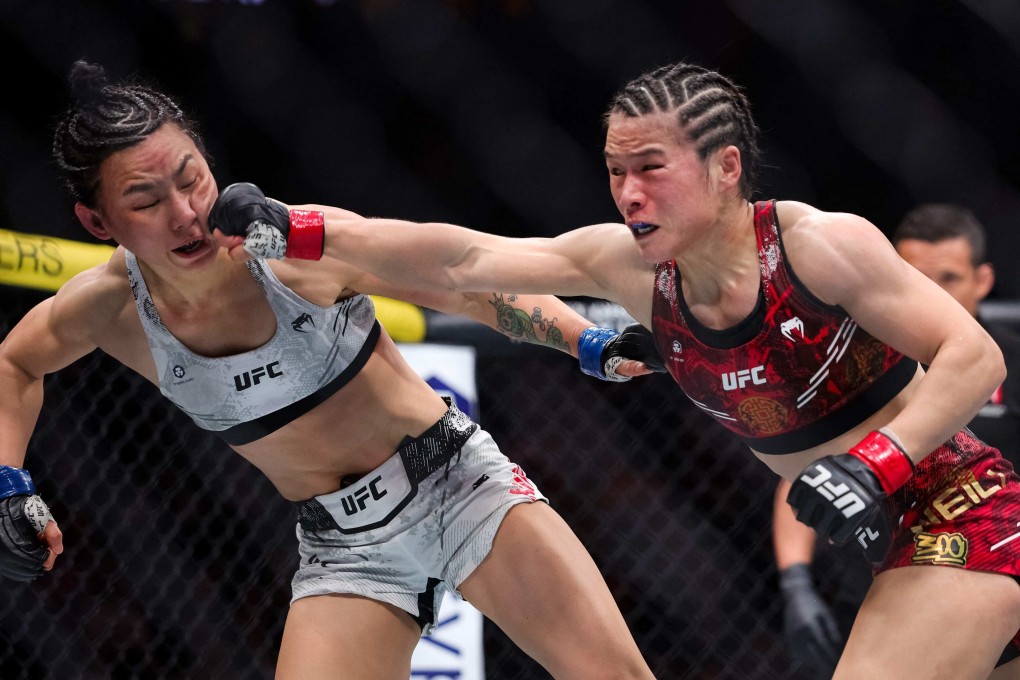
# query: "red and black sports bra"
{"type": "Point", "coordinates": [795, 373]}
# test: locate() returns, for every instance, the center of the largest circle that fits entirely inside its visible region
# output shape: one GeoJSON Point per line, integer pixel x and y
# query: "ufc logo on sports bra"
{"type": "Point", "coordinates": [255, 376]}
{"type": "Point", "coordinates": [737, 379]}
{"type": "Point", "coordinates": [357, 500]}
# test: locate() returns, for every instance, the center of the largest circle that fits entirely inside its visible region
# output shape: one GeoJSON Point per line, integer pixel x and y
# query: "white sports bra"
{"type": "Point", "coordinates": [314, 352]}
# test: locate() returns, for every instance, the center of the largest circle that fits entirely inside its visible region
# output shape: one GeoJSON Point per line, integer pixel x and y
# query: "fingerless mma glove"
{"type": "Point", "coordinates": [600, 351]}
{"type": "Point", "coordinates": [843, 496]}
{"type": "Point", "coordinates": [269, 229]}
{"type": "Point", "coordinates": [23, 516]}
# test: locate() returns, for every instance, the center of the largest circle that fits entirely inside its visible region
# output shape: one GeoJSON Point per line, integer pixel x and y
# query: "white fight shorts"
{"type": "Point", "coordinates": [417, 525]}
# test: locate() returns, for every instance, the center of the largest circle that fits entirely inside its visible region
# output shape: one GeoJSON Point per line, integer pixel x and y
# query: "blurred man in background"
{"type": "Point", "coordinates": [947, 244]}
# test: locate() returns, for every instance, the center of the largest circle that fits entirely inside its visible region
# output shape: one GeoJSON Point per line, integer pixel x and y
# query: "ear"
{"type": "Point", "coordinates": [985, 275]}
{"type": "Point", "coordinates": [728, 167]}
{"type": "Point", "coordinates": [91, 220]}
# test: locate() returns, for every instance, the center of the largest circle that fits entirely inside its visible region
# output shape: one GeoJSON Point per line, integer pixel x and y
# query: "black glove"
{"type": "Point", "coordinates": [812, 636]}
{"type": "Point", "coordinates": [22, 554]}
{"type": "Point", "coordinates": [844, 496]}
{"type": "Point", "coordinates": [270, 230]}
{"type": "Point", "coordinates": [600, 351]}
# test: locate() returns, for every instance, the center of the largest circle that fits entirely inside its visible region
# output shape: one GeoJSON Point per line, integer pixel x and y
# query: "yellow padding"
{"type": "Point", "coordinates": [46, 263]}
{"type": "Point", "coordinates": [402, 320]}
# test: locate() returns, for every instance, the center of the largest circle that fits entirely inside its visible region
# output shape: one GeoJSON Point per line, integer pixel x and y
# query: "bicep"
{"type": "Point", "coordinates": [46, 340]}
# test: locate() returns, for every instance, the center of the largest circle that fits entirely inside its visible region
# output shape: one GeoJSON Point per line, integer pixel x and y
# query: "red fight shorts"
{"type": "Point", "coordinates": [960, 509]}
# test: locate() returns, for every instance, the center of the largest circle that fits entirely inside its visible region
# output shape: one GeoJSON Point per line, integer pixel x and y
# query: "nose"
{"type": "Point", "coordinates": [183, 214]}
{"type": "Point", "coordinates": [631, 196]}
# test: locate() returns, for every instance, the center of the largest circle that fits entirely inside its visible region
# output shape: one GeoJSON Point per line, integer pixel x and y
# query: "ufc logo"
{"type": "Point", "coordinates": [254, 377]}
{"type": "Point", "coordinates": [840, 495]}
{"type": "Point", "coordinates": [737, 379]}
{"type": "Point", "coordinates": [865, 534]}
{"type": "Point", "coordinates": [356, 501]}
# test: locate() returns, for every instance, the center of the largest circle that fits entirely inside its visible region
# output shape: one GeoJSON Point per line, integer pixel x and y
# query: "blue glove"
{"type": "Point", "coordinates": [601, 350]}
{"type": "Point", "coordinates": [23, 516]}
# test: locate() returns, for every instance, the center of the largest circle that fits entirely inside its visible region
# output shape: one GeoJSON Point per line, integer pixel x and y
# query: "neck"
{"type": "Point", "coordinates": [185, 289]}
{"type": "Point", "coordinates": [726, 254]}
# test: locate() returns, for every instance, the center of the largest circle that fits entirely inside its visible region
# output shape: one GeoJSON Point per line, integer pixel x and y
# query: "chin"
{"type": "Point", "coordinates": [653, 251]}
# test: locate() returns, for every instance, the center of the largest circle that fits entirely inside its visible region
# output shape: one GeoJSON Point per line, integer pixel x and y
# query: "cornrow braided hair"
{"type": "Point", "coordinates": [710, 108]}
{"type": "Point", "coordinates": [105, 118]}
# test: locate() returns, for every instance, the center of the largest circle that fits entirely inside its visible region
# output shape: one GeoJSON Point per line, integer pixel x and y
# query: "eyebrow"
{"type": "Point", "coordinates": [635, 154]}
{"type": "Point", "coordinates": [142, 187]}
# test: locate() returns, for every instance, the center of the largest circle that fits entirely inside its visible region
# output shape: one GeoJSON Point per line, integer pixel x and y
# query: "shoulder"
{"type": "Point", "coordinates": [833, 253]}
{"type": "Point", "coordinates": [609, 237]}
{"type": "Point", "coordinates": [801, 222]}
{"type": "Point", "coordinates": [93, 299]}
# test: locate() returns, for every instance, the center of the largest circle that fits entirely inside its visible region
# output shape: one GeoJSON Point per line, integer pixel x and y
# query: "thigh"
{"type": "Point", "coordinates": [346, 637]}
{"type": "Point", "coordinates": [932, 622]}
{"type": "Point", "coordinates": [542, 588]}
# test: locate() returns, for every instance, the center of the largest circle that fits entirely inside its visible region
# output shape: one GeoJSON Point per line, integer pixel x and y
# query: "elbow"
{"type": "Point", "coordinates": [993, 363]}
{"type": "Point", "coordinates": [462, 274]}
{"type": "Point", "coordinates": [1000, 367]}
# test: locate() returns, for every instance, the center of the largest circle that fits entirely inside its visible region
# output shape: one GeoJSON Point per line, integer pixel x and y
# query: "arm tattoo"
{"type": "Point", "coordinates": [517, 324]}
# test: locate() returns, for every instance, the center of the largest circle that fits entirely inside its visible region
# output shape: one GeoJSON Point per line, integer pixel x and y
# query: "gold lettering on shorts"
{"type": "Point", "coordinates": [960, 498]}
{"type": "Point", "coordinates": [940, 549]}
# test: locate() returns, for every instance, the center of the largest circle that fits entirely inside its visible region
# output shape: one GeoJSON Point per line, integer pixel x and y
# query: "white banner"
{"type": "Point", "coordinates": [454, 650]}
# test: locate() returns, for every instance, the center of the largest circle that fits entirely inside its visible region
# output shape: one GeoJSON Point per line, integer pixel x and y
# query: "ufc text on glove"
{"type": "Point", "coordinates": [843, 496]}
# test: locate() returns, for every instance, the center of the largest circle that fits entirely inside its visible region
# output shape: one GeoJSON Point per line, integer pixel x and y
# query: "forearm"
{"type": "Point", "coordinates": [445, 257]}
{"type": "Point", "coordinates": [792, 541]}
{"type": "Point", "coordinates": [21, 400]}
{"type": "Point", "coordinates": [957, 384]}
{"type": "Point", "coordinates": [536, 319]}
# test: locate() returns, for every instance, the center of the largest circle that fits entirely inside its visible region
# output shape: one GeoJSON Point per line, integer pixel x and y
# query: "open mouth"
{"type": "Point", "coordinates": [190, 247]}
{"type": "Point", "coordinates": [642, 228]}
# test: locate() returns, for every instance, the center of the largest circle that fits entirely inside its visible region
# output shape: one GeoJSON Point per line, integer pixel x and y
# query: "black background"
{"type": "Point", "coordinates": [489, 113]}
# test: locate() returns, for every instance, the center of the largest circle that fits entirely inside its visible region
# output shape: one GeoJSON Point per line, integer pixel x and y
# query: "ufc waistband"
{"type": "Point", "coordinates": [377, 497]}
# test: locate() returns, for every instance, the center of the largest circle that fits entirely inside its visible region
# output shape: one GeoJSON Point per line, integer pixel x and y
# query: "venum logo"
{"type": "Point", "coordinates": [254, 376]}
{"type": "Point", "coordinates": [356, 501]}
{"type": "Point", "coordinates": [738, 379]}
{"type": "Point", "coordinates": [789, 326]}
{"type": "Point", "coordinates": [298, 323]}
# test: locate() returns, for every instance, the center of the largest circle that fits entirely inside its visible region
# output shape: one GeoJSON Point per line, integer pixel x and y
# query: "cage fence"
{"type": "Point", "coordinates": [179, 553]}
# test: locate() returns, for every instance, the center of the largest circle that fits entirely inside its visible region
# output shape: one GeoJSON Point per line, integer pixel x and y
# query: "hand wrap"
{"type": "Point", "coordinates": [269, 229]}
{"type": "Point", "coordinates": [601, 350]}
{"type": "Point", "coordinates": [809, 626]}
{"type": "Point", "coordinates": [23, 516]}
{"type": "Point", "coordinates": [843, 496]}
